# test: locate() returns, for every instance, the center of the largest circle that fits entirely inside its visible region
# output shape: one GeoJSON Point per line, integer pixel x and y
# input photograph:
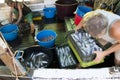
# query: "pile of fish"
{"type": "Point", "coordinates": [65, 56]}
{"type": "Point", "coordinates": [39, 60]}
{"type": "Point", "coordinates": [85, 45]}
{"type": "Point", "coordinates": [35, 60]}
{"type": "Point", "coordinates": [46, 39]}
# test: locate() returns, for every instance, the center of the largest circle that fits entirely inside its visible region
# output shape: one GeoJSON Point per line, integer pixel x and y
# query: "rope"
{"type": "Point", "coordinates": [14, 65]}
{"type": "Point", "coordinates": [15, 68]}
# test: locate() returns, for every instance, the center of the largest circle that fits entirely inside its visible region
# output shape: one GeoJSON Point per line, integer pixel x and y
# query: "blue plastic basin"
{"type": "Point", "coordinates": [81, 10]}
{"type": "Point", "coordinates": [46, 34]}
{"type": "Point", "coordinates": [9, 31]}
{"type": "Point", "coordinates": [49, 12]}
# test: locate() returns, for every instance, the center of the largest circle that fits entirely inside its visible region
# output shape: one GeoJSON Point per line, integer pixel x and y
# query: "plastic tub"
{"type": "Point", "coordinates": [46, 38]}
{"type": "Point", "coordinates": [81, 10]}
{"type": "Point", "coordinates": [77, 19]}
{"type": "Point", "coordinates": [65, 9]}
{"type": "Point", "coordinates": [85, 9]}
{"type": "Point", "coordinates": [37, 56]}
{"type": "Point", "coordinates": [9, 31]}
{"type": "Point", "coordinates": [49, 12]}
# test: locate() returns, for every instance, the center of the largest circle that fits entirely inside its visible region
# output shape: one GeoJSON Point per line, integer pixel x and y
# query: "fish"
{"type": "Point", "coordinates": [85, 43]}
{"type": "Point", "coordinates": [65, 56]}
{"type": "Point", "coordinates": [46, 39]}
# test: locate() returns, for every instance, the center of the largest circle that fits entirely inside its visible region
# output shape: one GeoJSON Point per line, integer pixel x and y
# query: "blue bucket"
{"type": "Point", "coordinates": [49, 12]}
{"type": "Point", "coordinates": [46, 38]}
{"type": "Point", "coordinates": [80, 13]}
{"type": "Point", "coordinates": [81, 10]}
{"type": "Point", "coordinates": [9, 31]}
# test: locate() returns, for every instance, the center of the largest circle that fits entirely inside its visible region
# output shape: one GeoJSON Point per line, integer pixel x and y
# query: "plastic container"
{"type": "Point", "coordinates": [77, 19]}
{"type": "Point", "coordinates": [9, 31]}
{"type": "Point", "coordinates": [37, 56]}
{"type": "Point", "coordinates": [65, 9]}
{"type": "Point", "coordinates": [49, 12]}
{"type": "Point", "coordinates": [86, 58]}
{"type": "Point", "coordinates": [81, 10]}
{"type": "Point", "coordinates": [46, 38]}
{"type": "Point", "coordinates": [84, 9]}
{"type": "Point", "coordinates": [66, 57]}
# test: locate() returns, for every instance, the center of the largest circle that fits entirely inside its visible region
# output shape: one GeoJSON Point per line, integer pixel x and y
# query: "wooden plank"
{"type": "Point", "coordinates": [7, 56]}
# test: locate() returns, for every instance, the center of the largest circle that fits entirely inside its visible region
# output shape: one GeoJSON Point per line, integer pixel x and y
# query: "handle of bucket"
{"type": "Point", "coordinates": [15, 30]}
{"type": "Point", "coordinates": [36, 40]}
{"type": "Point", "coordinates": [19, 54]}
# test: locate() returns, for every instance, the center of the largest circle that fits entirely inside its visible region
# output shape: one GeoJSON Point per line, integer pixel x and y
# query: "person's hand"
{"type": "Point", "coordinates": [99, 56]}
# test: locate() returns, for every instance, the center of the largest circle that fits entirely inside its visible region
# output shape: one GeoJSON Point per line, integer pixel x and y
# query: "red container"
{"type": "Point", "coordinates": [77, 19]}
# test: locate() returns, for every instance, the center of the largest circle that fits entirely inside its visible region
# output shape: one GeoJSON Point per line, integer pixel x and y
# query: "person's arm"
{"type": "Point", "coordinates": [101, 55]}
{"type": "Point", "coordinates": [20, 13]}
{"type": "Point", "coordinates": [11, 15]}
{"type": "Point", "coordinates": [102, 41]}
{"type": "Point", "coordinates": [80, 25]}
{"type": "Point", "coordinates": [84, 20]}
{"type": "Point", "coordinates": [112, 49]}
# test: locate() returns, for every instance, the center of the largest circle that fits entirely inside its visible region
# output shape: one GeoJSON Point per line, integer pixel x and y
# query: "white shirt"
{"type": "Point", "coordinates": [111, 17]}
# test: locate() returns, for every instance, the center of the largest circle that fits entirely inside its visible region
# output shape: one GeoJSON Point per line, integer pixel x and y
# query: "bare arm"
{"type": "Point", "coordinates": [80, 25]}
{"type": "Point", "coordinates": [114, 33]}
{"type": "Point", "coordinates": [113, 48]}
{"type": "Point", "coordinates": [84, 20]}
{"type": "Point", "coordinates": [101, 55]}
{"type": "Point", "coordinates": [11, 15]}
{"type": "Point", "coordinates": [20, 13]}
